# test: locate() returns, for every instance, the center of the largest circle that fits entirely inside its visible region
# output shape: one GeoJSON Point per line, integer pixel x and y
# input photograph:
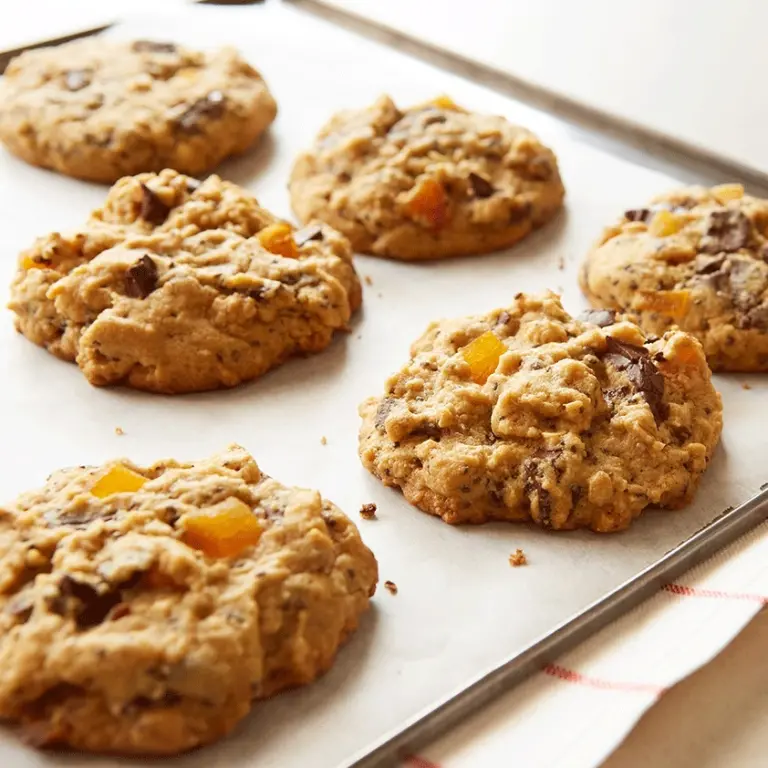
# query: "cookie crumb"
{"type": "Point", "coordinates": [561, 262]}
{"type": "Point", "coordinates": [746, 386]}
{"type": "Point", "coordinates": [323, 440]}
{"type": "Point", "coordinates": [518, 558]}
{"type": "Point", "coordinates": [391, 587]}
{"type": "Point", "coordinates": [119, 431]}
{"type": "Point", "coordinates": [368, 280]}
{"type": "Point", "coordinates": [368, 511]}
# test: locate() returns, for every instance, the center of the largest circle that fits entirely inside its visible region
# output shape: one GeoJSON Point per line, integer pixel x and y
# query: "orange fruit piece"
{"type": "Point", "coordinates": [119, 479]}
{"type": "Point", "coordinates": [671, 303]}
{"type": "Point", "coordinates": [483, 355]}
{"type": "Point", "coordinates": [224, 530]}
{"type": "Point", "coordinates": [278, 238]}
{"type": "Point", "coordinates": [429, 204]}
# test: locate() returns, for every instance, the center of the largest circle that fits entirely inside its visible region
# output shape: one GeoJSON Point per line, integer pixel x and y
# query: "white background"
{"type": "Point", "coordinates": [460, 610]}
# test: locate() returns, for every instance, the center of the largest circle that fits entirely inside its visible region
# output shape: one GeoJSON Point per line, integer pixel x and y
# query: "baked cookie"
{"type": "Point", "coordinates": [99, 109]}
{"type": "Point", "coordinates": [426, 182]}
{"type": "Point", "coordinates": [529, 414]}
{"type": "Point", "coordinates": [143, 609]}
{"type": "Point", "coordinates": [178, 286]}
{"type": "Point", "coordinates": [697, 259]}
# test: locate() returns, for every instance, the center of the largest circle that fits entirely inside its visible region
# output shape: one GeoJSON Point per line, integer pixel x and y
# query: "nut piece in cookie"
{"type": "Point", "coordinates": [143, 609]}
{"type": "Point", "coordinates": [179, 286]}
{"type": "Point", "coordinates": [695, 259]}
{"type": "Point", "coordinates": [527, 413]}
{"type": "Point", "coordinates": [426, 182]}
{"type": "Point", "coordinates": [101, 109]}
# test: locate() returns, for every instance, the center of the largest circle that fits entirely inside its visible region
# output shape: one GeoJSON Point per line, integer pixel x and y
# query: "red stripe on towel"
{"type": "Point", "coordinates": [571, 676]}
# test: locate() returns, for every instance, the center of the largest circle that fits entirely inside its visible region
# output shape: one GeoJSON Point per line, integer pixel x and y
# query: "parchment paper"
{"type": "Point", "coordinates": [461, 609]}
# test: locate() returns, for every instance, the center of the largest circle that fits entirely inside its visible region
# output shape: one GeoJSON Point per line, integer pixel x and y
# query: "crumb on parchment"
{"type": "Point", "coordinates": [323, 440]}
{"type": "Point", "coordinates": [561, 262]}
{"type": "Point", "coordinates": [368, 280]}
{"type": "Point", "coordinates": [744, 385]}
{"type": "Point", "coordinates": [119, 431]}
{"type": "Point", "coordinates": [368, 511]}
{"type": "Point", "coordinates": [391, 587]}
{"type": "Point", "coordinates": [518, 558]}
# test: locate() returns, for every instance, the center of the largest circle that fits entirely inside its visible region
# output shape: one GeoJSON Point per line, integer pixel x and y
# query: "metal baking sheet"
{"type": "Point", "coordinates": [461, 611]}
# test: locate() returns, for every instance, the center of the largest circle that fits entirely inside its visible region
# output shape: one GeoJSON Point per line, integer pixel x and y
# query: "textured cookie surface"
{"type": "Point", "coordinates": [98, 109]}
{"type": "Point", "coordinates": [178, 286]}
{"type": "Point", "coordinates": [697, 259]}
{"type": "Point", "coordinates": [426, 182]}
{"type": "Point", "coordinates": [529, 414]}
{"type": "Point", "coordinates": [120, 632]}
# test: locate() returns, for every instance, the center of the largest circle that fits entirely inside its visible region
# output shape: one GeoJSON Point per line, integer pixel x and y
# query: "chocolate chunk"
{"type": "Point", "coordinates": [168, 699]}
{"type": "Point", "coordinates": [576, 493]}
{"type": "Point", "coordinates": [481, 186]}
{"type": "Point", "coordinates": [310, 232]}
{"type": "Point", "coordinates": [141, 278]}
{"type": "Point", "coordinates": [520, 212]}
{"type": "Point", "coordinates": [706, 265]}
{"type": "Point", "coordinates": [434, 119]}
{"type": "Point", "coordinates": [645, 376]}
{"type": "Point", "coordinates": [150, 46]}
{"type": "Point", "coordinates": [81, 519]}
{"type": "Point", "coordinates": [210, 106]}
{"type": "Point", "coordinates": [385, 406]}
{"type": "Point", "coordinates": [91, 606]}
{"type": "Point", "coordinates": [637, 214]}
{"type": "Point", "coordinates": [121, 611]}
{"type": "Point", "coordinates": [153, 209]}
{"type": "Point", "coordinates": [538, 169]}
{"type": "Point", "coordinates": [428, 430]}
{"type": "Point", "coordinates": [601, 317]}
{"type": "Point", "coordinates": [77, 79]}
{"type": "Point", "coordinates": [533, 478]}
{"type": "Point", "coordinates": [727, 231]}
{"type": "Point", "coordinates": [756, 318]}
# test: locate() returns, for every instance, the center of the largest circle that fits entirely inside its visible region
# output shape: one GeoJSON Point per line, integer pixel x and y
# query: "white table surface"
{"type": "Point", "coordinates": [686, 68]}
{"type": "Point", "coordinates": [690, 69]}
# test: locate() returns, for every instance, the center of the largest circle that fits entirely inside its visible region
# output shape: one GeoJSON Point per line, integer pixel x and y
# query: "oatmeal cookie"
{"type": "Point", "coordinates": [696, 259]}
{"type": "Point", "coordinates": [426, 182]}
{"type": "Point", "coordinates": [99, 109]}
{"type": "Point", "coordinates": [526, 413]}
{"type": "Point", "coordinates": [180, 286]}
{"type": "Point", "coordinates": [143, 609]}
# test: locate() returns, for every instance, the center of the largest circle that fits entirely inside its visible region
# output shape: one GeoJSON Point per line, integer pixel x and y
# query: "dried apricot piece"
{"type": "Point", "coordinates": [671, 303]}
{"type": "Point", "coordinates": [429, 204]}
{"type": "Point", "coordinates": [443, 101]}
{"type": "Point", "coordinates": [482, 355]}
{"type": "Point", "coordinates": [119, 479]}
{"type": "Point", "coordinates": [664, 224]}
{"type": "Point", "coordinates": [29, 263]}
{"type": "Point", "coordinates": [278, 238]}
{"type": "Point", "coordinates": [727, 192]}
{"type": "Point", "coordinates": [224, 530]}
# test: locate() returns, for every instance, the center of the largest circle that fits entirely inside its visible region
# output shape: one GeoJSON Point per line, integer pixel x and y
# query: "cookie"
{"type": "Point", "coordinates": [143, 609]}
{"type": "Point", "coordinates": [426, 182]}
{"type": "Point", "coordinates": [526, 413]}
{"type": "Point", "coordinates": [99, 109]}
{"type": "Point", "coordinates": [696, 259]}
{"type": "Point", "coordinates": [178, 286]}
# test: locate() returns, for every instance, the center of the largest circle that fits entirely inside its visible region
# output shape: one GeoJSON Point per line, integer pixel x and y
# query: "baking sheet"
{"type": "Point", "coordinates": [460, 610]}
